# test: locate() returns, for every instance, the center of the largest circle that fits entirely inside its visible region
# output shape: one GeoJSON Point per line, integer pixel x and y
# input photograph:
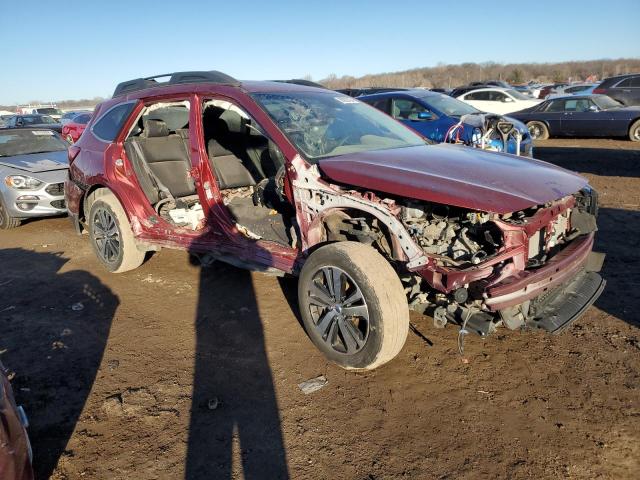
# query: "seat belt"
{"type": "Point", "coordinates": [159, 185]}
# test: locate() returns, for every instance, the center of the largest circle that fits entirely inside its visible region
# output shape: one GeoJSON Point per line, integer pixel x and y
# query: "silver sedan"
{"type": "Point", "coordinates": [33, 168]}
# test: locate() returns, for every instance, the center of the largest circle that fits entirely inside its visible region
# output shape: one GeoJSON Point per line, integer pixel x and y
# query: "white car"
{"type": "Point", "coordinates": [498, 100]}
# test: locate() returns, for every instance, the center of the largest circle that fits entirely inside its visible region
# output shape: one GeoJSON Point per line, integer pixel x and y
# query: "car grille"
{"type": "Point", "coordinates": [58, 204]}
{"type": "Point", "coordinates": [55, 189]}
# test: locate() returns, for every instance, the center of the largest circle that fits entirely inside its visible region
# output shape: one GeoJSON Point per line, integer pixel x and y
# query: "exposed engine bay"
{"type": "Point", "coordinates": [456, 237]}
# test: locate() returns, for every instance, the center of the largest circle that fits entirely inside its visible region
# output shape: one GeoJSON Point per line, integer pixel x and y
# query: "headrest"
{"type": "Point", "coordinates": [217, 150]}
{"type": "Point", "coordinates": [233, 121]}
{"type": "Point", "coordinates": [155, 128]}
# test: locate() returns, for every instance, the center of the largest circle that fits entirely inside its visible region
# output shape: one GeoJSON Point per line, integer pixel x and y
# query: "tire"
{"type": "Point", "coordinates": [378, 328]}
{"type": "Point", "coordinates": [69, 138]}
{"type": "Point", "coordinates": [110, 233]}
{"type": "Point", "coordinates": [6, 221]}
{"type": "Point", "coordinates": [634, 131]}
{"type": "Point", "coordinates": [538, 130]}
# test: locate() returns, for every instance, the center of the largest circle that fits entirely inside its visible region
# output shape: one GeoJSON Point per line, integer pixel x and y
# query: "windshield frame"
{"type": "Point", "coordinates": [314, 159]}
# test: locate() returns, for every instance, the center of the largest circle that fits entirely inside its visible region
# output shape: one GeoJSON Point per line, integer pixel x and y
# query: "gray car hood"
{"type": "Point", "coordinates": [37, 162]}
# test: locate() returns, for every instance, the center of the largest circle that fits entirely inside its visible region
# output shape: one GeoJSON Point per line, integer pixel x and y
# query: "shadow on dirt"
{"type": "Point", "coordinates": [54, 343]}
{"type": "Point", "coordinates": [234, 408]}
{"type": "Point", "coordinates": [597, 161]}
{"type": "Point", "coordinates": [618, 236]}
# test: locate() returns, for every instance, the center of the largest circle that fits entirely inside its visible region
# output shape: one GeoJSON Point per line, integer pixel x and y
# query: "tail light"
{"type": "Point", "coordinates": [72, 153]}
{"type": "Point", "coordinates": [598, 91]}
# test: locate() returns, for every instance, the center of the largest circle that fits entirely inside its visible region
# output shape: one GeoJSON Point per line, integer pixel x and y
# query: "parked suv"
{"type": "Point", "coordinates": [623, 88]}
{"type": "Point", "coordinates": [291, 179]}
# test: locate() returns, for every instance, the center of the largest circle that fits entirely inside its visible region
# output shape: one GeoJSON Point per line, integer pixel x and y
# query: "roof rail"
{"type": "Point", "coordinates": [176, 78]}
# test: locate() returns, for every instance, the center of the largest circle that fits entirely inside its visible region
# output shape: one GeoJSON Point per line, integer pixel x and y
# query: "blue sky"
{"type": "Point", "coordinates": [81, 49]}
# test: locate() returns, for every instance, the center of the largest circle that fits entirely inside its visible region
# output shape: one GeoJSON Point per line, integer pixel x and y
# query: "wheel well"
{"type": "Point", "coordinates": [83, 207]}
{"type": "Point", "coordinates": [631, 124]}
{"type": "Point", "coordinates": [358, 226]}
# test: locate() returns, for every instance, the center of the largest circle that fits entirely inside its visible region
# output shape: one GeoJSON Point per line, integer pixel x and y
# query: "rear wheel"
{"type": "Point", "coordinates": [634, 131]}
{"type": "Point", "coordinates": [353, 305]}
{"type": "Point", "coordinates": [7, 221]}
{"type": "Point", "coordinates": [538, 130]}
{"type": "Point", "coordinates": [110, 233]}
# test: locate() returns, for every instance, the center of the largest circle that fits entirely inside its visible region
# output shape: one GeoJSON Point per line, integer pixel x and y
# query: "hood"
{"type": "Point", "coordinates": [455, 175]}
{"type": "Point", "coordinates": [37, 162]}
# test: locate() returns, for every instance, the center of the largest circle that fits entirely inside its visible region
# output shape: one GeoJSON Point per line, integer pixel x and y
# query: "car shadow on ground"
{"type": "Point", "coordinates": [597, 161]}
{"type": "Point", "coordinates": [54, 344]}
{"type": "Point", "coordinates": [234, 411]}
{"type": "Point", "coordinates": [618, 236]}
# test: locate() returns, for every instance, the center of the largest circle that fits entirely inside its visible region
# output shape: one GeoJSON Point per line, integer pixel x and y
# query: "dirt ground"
{"type": "Point", "coordinates": [173, 371]}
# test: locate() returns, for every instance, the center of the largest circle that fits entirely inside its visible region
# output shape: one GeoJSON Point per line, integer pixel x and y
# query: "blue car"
{"type": "Point", "coordinates": [442, 118]}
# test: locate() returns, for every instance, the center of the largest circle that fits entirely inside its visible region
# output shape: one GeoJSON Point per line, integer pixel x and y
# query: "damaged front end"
{"type": "Point", "coordinates": [532, 268]}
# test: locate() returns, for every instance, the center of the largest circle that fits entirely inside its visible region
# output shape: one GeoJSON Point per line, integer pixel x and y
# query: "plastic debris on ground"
{"type": "Point", "coordinates": [313, 384]}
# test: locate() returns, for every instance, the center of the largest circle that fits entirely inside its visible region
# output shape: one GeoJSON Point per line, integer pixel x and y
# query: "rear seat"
{"type": "Point", "coordinates": [168, 158]}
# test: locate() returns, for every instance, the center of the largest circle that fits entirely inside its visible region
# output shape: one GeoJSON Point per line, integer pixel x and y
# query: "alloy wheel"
{"type": "Point", "coordinates": [636, 134]}
{"type": "Point", "coordinates": [338, 310]}
{"type": "Point", "coordinates": [106, 235]}
{"type": "Point", "coordinates": [535, 131]}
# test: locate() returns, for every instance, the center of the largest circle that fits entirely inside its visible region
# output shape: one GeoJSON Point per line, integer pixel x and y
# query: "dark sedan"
{"type": "Point", "coordinates": [33, 121]}
{"type": "Point", "coordinates": [581, 116]}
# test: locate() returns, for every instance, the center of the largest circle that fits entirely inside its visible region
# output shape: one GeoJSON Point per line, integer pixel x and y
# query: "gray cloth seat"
{"type": "Point", "coordinates": [229, 170]}
{"type": "Point", "coordinates": [167, 156]}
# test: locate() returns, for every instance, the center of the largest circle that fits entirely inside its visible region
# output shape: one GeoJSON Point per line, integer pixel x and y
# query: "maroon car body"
{"type": "Point", "coordinates": [15, 450]}
{"type": "Point", "coordinates": [535, 221]}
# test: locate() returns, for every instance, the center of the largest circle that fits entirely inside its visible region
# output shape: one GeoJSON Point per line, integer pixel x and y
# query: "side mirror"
{"type": "Point", "coordinates": [593, 108]}
{"type": "Point", "coordinates": [507, 100]}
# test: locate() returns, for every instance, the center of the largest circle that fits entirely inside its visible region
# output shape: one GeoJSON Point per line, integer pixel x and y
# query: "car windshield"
{"type": "Point", "coordinates": [49, 111]}
{"type": "Point", "coordinates": [324, 124]}
{"type": "Point", "coordinates": [605, 103]}
{"type": "Point", "coordinates": [517, 95]}
{"type": "Point", "coordinates": [25, 142]}
{"type": "Point", "coordinates": [449, 105]}
{"type": "Point", "coordinates": [37, 119]}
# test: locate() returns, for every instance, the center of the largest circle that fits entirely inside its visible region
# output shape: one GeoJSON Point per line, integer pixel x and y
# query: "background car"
{"type": "Point", "coordinates": [68, 116]}
{"type": "Point", "coordinates": [572, 89]}
{"type": "Point", "coordinates": [582, 116]}
{"type": "Point", "coordinates": [51, 110]}
{"type": "Point", "coordinates": [623, 88]}
{"type": "Point", "coordinates": [498, 100]}
{"type": "Point", "coordinates": [33, 168]}
{"type": "Point", "coordinates": [72, 130]}
{"type": "Point", "coordinates": [15, 449]}
{"type": "Point", "coordinates": [33, 121]}
{"type": "Point", "coordinates": [433, 115]}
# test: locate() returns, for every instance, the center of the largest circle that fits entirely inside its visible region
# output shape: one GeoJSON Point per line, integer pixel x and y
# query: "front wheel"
{"type": "Point", "coordinates": [353, 305]}
{"type": "Point", "coordinates": [111, 235]}
{"type": "Point", "coordinates": [634, 131]}
{"type": "Point", "coordinates": [6, 220]}
{"type": "Point", "coordinates": [538, 130]}
{"type": "Point", "coordinates": [69, 138]}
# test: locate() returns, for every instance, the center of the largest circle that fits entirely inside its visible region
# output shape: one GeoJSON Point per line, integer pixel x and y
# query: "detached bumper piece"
{"type": "Point", "coordinates": [556, 311]}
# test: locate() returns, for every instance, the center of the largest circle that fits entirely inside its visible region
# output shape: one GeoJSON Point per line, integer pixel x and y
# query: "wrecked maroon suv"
{"type": "Point", "coordinates": [289, 179]}
{"type": "Point", "coordinates": [15, 449]}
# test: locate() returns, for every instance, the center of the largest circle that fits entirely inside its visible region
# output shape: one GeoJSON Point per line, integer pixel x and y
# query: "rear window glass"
{"type": "Point", "coordinates": [82, 119]}
{"type": "Point", "coordinates": [110, 124]}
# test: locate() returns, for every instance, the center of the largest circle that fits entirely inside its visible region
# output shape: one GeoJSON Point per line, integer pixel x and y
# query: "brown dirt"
{"type": "Point", "coordinates": [172, 371]}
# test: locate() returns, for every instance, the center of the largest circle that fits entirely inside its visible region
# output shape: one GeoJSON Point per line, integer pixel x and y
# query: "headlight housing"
{"type": "Point", "coordinates": [22, 182]}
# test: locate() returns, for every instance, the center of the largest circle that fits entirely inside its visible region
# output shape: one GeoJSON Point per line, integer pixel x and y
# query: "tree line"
{"type": "Point", "coordinates": [450, 76]}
